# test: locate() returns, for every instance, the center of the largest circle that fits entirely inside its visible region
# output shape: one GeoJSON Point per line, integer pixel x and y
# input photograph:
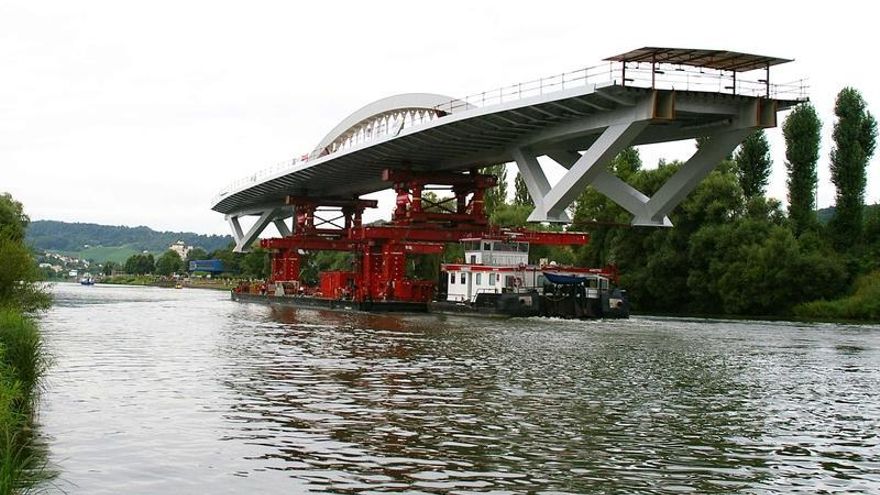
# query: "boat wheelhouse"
{"type": "Point", "coordinates": [496, 275]}
{"type": "Point", "coordinates": [497, 265]}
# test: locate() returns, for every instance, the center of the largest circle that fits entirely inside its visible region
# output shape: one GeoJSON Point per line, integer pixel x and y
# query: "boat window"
{"type": "Point", "coordinates": [479, 278]}
{"type": "Point", "coordinates": [452, 278]}
{"type": "Point", "coordinates": [462, 277]}
{"type": "Point", "coordinates": [487, 246]}
{"type": "Point", "coordinates": [491, 279]}
{"type": "Point", "coordinates": [604, 284]}
{"type": "Point", "coordinates": [592, 283]}
{"type": "Point", "coordinates": [473, 259]}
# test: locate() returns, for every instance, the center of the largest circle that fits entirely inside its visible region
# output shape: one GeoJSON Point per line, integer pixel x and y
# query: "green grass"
{"type": "Point", "coordinates": [862, 305]}
{"type": "Point", "coordinates": [22, 364]}
{"type": "Point", "coordinates": [129, 280]}
{"type": "Point", "coordinates": [103, 254]}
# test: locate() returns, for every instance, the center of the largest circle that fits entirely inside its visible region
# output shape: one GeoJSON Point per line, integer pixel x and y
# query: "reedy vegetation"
{"type": "Point", "coordinates": [22, 358]}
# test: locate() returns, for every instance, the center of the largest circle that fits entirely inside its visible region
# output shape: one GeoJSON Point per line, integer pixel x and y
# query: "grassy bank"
{"type": "Point", "coordinates": [22, 364]}
{"type": "Point", "coordinates": [194, 283]}
{"type": "Point", "coordinates": [862, 305]}
{"type": "Point", "coordinates": [128, 280]}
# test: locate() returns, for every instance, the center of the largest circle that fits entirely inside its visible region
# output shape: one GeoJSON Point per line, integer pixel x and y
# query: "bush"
{"type": "Point", "coordinates": [863, 304]}
{"type": "Point", "coordinates": [18, 276]}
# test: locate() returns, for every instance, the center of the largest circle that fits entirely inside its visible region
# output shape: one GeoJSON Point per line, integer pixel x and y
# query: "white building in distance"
{"type": "Point", "coordinates": [181, 248]}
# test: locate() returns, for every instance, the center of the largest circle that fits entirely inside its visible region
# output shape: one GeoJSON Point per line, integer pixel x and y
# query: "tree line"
{"type": "Point", "coordinates": [254, 264]}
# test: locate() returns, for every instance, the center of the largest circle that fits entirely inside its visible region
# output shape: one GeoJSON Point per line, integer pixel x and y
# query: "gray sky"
{"type": "Point", "coordinates": [139, 113]}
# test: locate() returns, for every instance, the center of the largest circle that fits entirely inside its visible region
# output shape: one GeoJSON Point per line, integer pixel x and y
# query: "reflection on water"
{"type": "Point", "coordinates": [185, 391]}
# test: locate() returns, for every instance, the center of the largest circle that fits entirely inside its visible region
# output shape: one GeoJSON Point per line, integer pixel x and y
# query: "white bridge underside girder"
{"type": "Point", "coordinates": [585, 146]}
{"type": "Point", "coordinates": [265, 216]}
{"type": "Point", "coordinates": [614, 132]}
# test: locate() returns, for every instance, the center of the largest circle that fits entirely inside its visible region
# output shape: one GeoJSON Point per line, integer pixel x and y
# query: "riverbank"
{"type": "Point", "coordinates": [192, 283]}
{"type": "Point", "coordinates": [22, 365]}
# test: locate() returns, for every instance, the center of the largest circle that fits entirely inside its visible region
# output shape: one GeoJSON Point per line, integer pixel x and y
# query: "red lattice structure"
{"type": "Point", "coordinates": [419, 226]}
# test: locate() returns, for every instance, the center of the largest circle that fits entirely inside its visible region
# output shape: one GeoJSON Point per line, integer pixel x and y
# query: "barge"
{"type": "Point", "coordinates": [493, 277]}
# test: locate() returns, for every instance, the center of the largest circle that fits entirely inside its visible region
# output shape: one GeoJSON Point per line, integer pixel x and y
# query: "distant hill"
{"type": "Point", "coordinates": [826, 214]}
{"type": "Point", "coordinates": [108, 242]}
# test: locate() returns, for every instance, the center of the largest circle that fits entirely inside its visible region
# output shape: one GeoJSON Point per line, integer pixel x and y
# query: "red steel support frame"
{"type": "Point", "coordinates": [380, 252]}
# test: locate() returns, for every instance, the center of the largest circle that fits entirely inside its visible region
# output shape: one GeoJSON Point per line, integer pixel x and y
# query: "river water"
{"type": "Point", "coordinates": [184, 391]}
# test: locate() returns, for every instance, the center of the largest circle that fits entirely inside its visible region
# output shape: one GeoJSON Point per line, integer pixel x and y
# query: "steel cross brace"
{"type": "Point", "coordinates": [589, 169]}
{"type": "Point", "coordinates": [243, 240]}
{"type": "Point", "coordinates": [583, 170]}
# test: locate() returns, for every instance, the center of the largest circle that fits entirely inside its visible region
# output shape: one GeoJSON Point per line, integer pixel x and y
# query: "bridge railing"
{"type": "Point", "coordinates": [683, 78]}
{"type": "Point", "coordinates": [535, 87]}
{"type": "Point", "coordinates": [663, 76]}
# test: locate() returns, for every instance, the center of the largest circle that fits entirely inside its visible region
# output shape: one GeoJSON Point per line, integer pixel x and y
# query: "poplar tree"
{"type": "Point", "coordinates": [855, 136]}
{"type": "Point", "coordinates": [521, 196]}
{"type": "Point", "coordinates": [753, 160]}
{"type": "Point", "coordinates": [497, 195]}
{"type": "Point", "coordinates": [801, 131]}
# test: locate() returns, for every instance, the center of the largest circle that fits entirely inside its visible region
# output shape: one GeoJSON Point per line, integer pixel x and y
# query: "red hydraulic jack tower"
{"type": "Point", "coordinates": [419, 225]}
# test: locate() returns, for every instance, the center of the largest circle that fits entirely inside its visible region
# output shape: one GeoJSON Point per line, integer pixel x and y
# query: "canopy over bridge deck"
{"type": "Point", "coordinates": [580, 119]}
{"type": "Point", "coordinates": [721, 60]}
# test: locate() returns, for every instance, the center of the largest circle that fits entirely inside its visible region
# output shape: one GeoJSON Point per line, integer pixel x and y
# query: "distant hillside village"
{"type": "Point", "coordinates": [63, 266]}
{"type": "Point", "coordinates": [98, 242]}
{"type": "Point", "coordinates": [73, 250]}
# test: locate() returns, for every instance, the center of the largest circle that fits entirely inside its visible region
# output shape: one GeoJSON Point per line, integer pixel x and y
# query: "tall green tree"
{"type": "Point", "coordinates": [497, 195]}
{"type": "Point", "coordinates": [13, 221]}
{"type": "Point", "coordinates": [140, 264]}
{"type": "Point", "coordinates": [196, 254]}
{"type": "Point", "coordinates": [19, 276]}
{"type": "Point", "coordinates": [521, 196]}
{"type": "Point", "coordinates": [753, 160]}
{"type": "Point", "coordinates": [169, 263]}
{"type": "Point", "coordinates": [801, 130]}
{"type": "Point", "coordinates": [109, 267]}
{"type": "Point", "coordinates": [855, 137]}
{"type": "Point", "coordinates": [626, 163]}
{"type": "Point", "coordinates": [256, 263]}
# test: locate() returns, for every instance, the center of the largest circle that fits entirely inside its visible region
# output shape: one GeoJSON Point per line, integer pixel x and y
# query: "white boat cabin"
{"type": "Point", "coordinates": [496, 266]}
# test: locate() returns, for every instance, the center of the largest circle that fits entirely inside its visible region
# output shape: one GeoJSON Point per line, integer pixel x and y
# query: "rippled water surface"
{"type": "Point", "coordinates": [184, 391]}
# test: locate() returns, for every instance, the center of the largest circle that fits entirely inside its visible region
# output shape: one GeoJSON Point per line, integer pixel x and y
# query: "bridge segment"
{"type": "Point", "coordinates": [581, 120]}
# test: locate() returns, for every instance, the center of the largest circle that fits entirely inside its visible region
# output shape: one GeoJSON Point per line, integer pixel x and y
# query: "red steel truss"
{"type": "Point", "coordinates": [379, 252]}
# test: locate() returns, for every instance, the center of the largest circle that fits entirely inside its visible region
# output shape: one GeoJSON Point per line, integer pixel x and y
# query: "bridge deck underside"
{"type": "Point", "coordinates": [568, 121]}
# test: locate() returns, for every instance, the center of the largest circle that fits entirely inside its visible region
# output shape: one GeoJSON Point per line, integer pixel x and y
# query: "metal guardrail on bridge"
{"type": "Point", "coordinates": [637, 74]}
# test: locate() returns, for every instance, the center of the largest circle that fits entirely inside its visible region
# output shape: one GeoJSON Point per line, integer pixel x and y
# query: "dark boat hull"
{"type": "Point", "coordinates": [332, 304]}
{"type": "Point", "coordinates": [526, 304]}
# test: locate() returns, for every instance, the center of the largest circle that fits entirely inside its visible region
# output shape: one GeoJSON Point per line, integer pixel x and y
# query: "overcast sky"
{"type": "Point", "coordinates": [132, 113]}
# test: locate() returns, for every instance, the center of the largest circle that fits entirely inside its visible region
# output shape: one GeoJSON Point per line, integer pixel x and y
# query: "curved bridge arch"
{"type": "Point", "coordinates": [387, 116]}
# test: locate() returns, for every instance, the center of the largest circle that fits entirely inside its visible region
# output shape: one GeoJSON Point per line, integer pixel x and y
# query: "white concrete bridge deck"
{"type": "Point", "coordinates": [580, 119]}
